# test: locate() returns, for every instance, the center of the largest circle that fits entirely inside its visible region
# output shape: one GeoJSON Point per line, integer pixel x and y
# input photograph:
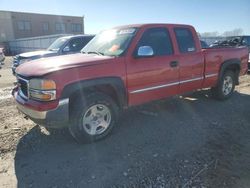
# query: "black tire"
{"type": "Point", "coordinates": [218, 92]}
{"type": "Point", "coordinates": [80, 107]}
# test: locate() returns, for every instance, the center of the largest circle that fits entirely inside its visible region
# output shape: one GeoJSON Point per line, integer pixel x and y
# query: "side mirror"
{"type": "Point", "coordinates": [145, 51]}
{"type": "Point", "coordinates": [66, 49]}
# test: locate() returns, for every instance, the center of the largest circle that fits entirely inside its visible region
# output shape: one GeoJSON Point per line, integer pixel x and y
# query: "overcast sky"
{"type": "Point", "coordinates": [205, 15]}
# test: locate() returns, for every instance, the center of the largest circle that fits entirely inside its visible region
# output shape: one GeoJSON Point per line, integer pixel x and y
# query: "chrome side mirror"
{"type": "Point", "coordinates": [66, 49]}
{"type": "Point", "coordinates": [145, 51]}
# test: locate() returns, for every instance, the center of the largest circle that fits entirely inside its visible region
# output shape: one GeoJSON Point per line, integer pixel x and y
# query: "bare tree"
{"type": "Point", "coordinates": [235, 32]}
{"type": "Point", "coordinates": [210, 34]}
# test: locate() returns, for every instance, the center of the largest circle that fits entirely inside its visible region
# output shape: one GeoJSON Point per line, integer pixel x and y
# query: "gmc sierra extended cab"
{"type": "Point", "coordinates": [119, 68]}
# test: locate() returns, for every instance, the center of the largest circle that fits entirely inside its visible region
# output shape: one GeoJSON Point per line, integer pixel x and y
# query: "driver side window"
{"type": "Point", "coordinates": [159, 40]}
{"type": "Point", "coordinates": [74, 45]}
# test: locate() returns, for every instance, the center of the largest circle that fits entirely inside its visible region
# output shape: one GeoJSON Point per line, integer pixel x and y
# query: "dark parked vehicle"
{"type": "Point", "coordinates": [61, 46]}
{"type": "Point", "coordinates": [2, 57]}
{"type": "Point", "coordinates": [204, 45]}
{"type": "Point", "coordinates": [233, 41]}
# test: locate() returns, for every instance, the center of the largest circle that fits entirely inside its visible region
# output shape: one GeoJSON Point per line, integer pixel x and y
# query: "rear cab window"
{"type": "Point", "coordinates": [159, 39]}
{"type": "Point", "coordinates": [185, 40]}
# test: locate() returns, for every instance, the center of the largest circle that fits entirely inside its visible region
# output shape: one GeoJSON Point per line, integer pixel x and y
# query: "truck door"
{"type": "Point", "coordinates": [190, 59]}
{"type": "Point", "coordinates": [154, 75]}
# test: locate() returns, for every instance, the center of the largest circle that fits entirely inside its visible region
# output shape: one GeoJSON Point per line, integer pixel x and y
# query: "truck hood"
{"type": "Point", "coordinates": [47, 65]}
{"type": "Point", "coordinates": [36, 54]}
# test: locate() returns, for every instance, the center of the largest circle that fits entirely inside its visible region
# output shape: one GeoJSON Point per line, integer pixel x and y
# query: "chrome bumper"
{"type": "Point", "coordinates": [55, 118]}
{"type": "Point", "coordinates": [31, 113]}
{"type": "Point", "coordinates": [2, 58]}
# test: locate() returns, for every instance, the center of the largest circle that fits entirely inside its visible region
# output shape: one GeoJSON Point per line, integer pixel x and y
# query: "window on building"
{"type": "Point", "coordinates": [24, 25]}
{"type": "Point", "coordinates": [61, 27]}
{"type": "Point", "coordinates": [45, 26]}
{"type": "Point", "coordinates": [76, 27]}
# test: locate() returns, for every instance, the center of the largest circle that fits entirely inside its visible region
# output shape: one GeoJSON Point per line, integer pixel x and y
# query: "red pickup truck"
{"type": "Point", "coordinates": [119, 68]}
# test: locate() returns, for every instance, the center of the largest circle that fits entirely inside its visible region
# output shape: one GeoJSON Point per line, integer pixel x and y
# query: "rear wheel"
{"type": "Point", "coordinates": [92, 118]}
{"type": "Point", "coordinates": [225, 87]}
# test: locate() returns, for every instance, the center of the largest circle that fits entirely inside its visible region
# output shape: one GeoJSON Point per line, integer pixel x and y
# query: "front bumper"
{"type": "Point", "coordinates": [2, 58]}
{"type": "Point", "coordinates": [249, 63]}
{"type": "Point", "coordinates": [15, 64]}
{"type": "Point", "coordinates": [55, 118]}
{"type": "Point", "coordinates": [13, 68]}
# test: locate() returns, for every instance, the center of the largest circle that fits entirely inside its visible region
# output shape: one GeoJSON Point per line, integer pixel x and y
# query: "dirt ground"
{"type": "Point", "coordinates": [186, 141]}
{"type": "Point", "coordinates": [6, 78]}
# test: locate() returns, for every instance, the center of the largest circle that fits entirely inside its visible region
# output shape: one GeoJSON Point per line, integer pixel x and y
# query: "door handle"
{"type": "Point", "coordinates": [174, 63]}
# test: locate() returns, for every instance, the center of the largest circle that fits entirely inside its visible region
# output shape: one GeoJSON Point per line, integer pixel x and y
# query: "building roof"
{"type": "Point", "coordinates": [39, 13]}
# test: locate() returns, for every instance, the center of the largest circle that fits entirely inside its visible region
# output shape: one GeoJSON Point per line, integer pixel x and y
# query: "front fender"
{"type": "Point", "coordinates": [116, 83]}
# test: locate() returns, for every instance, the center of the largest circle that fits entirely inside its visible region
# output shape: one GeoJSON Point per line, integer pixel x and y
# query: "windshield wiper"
{"type": "Point", "coordinates": [94, 52]}
{"type": "Point", "coordinates": [52, 50]}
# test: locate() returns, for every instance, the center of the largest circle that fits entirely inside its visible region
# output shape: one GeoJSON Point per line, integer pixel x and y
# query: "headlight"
{"type": "Point", "coordinates": [24, 61]}
{"type": "Point", "coordinates": [42, 89]}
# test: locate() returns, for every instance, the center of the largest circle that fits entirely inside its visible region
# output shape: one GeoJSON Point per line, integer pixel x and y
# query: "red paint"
{"type": "Point", "coordinates": [137, 73]}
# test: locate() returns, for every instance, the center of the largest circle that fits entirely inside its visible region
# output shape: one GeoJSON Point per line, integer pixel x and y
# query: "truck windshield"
{"type": "Point", "coordinates": [112, 42]}
{"type": "Point", "coordinates": [56, 45]}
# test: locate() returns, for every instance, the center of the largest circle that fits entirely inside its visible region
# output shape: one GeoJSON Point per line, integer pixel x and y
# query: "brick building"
{"type": "Point", "coordinates": [16, 25]}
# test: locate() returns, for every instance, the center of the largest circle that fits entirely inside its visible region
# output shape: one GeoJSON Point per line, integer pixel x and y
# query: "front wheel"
{"type": "Point", "coordinates": [225, 87]}
{"type": "Point", "coordinates": [93, 117]}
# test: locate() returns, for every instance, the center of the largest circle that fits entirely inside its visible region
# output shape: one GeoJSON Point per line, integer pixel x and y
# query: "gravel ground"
{"type": "Point", "coordinates": [186, 141]}
{"type": "Point", "coordinates": [6, 77]}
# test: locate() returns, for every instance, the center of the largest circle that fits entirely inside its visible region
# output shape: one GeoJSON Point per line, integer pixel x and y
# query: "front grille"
{"type": "Point", "coordinates": [23, 86]}
{"type": "Point", "coordinates": [16, 60]}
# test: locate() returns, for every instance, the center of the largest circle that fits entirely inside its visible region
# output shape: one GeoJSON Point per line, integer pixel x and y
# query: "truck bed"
{"type": "Point", "coordinates": [214, 57]}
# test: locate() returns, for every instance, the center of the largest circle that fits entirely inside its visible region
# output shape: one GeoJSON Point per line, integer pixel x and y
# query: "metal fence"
{"type": "Point", "coordinates": [31, 44]}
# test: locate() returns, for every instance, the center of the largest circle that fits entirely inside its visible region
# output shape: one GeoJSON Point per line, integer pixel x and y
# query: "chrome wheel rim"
{"type": "Point", "coordinates": [97, 119]}
{"type": "Point", "coordinates": [227, 85]}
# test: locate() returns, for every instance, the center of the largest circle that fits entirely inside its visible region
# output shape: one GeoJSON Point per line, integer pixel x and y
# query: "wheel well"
{"type": "Point", "coordinates": [235, 68]}
{"type": "Point", "coordinates": [105, 88]}
{"type": "Point", "coordinates": [110, 91]}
